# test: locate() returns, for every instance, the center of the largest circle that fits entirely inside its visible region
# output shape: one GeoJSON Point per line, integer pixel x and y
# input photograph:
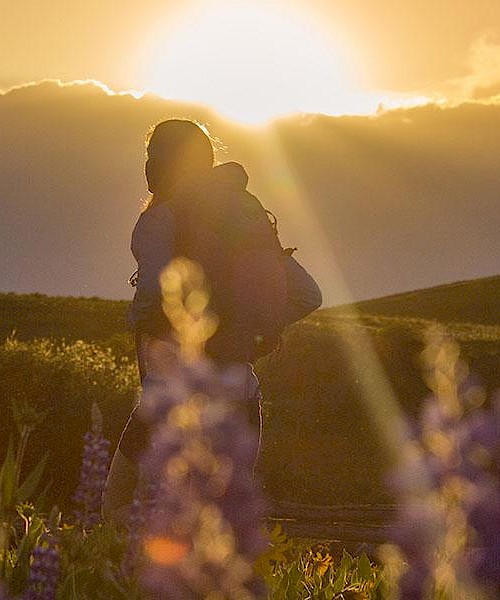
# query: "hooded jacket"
{"type": "Point", "coordinates": [156, 239]}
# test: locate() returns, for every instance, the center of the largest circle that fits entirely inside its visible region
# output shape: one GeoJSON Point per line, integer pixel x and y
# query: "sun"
{"type": "Point", "coordinates": [249, 62]}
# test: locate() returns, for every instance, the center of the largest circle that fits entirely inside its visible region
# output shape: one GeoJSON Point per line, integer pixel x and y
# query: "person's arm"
{"type": "Point", "coordinates": [304, 295]}
{"type": "Point", "coordinates": [152, 246]}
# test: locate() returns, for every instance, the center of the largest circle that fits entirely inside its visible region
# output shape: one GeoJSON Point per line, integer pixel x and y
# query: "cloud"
{"type": "Point", "coordinates": [482, 81]}
{"type": "Point", "coordinates": [79, 85]}
{"type": "Point", "coordinates": [389, 202]}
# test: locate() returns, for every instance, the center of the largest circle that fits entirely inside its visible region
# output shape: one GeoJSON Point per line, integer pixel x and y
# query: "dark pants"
{"type": "Point", "coordinates": [155, 358]}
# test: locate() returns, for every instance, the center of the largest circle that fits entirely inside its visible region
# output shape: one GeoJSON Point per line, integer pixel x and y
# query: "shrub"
{"type": "Point", "coordinates": [61, 381]}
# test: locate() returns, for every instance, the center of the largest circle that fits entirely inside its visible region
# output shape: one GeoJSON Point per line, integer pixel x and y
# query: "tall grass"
{"type": "Point", "coordinates": [60, 381]}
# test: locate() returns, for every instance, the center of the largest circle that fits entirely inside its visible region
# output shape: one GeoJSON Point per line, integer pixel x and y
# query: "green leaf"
{"type": "Point", "coordinates": [294, 576]}
{"type": "Point", "coordinates": [27, 489]}
{"type": "Point", "coordinates": [339, 583]}
{"type": "Point", "coordinates": [281, 592]}
{"type": "Point", "coordinates": [346, 562]}
{"type": "Point", "coordinates": [34, 526]}
{"type": "Point", "coordinates": [365, 568]}
{"type": "Point", "coordinates": [41, 497]}
{"type": "Point", "coordinates": [345, 566]}
{"type": "Point", "coordinates": [8, 478]}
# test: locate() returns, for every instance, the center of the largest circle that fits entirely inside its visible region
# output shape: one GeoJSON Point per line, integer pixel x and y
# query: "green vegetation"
{"type": "Point", "coordinates": [88, 563]}
{"type": "Point", "coordinates": [473, 301]}
{"type": "Point", "coordinates": [59, 555]}
{"type": "Point", "coordinates": [295, 570]}
{"type": "Point", "coordinates": [88, 319]}
{"type": "Point", "coordinates": [44, 551]}
{"type": "Point", "coordinates": [320, 444]}
{"type": "Point", "coordinates": [319, 413]}
{"type": "Point", "coordinates": [60, 381]}
{"type": "Point", "coordinates": [322, 390]}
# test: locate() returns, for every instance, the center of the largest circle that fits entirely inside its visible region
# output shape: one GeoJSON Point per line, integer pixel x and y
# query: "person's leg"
{"type": "Point", "coordinates": [141, 345]}
{"type": "Point", "coordinates": [119, 491]}
{"type": "Point", "coordinates": [157, 359]}
{"type": "Point", "coordinates": [124, 471]}
{"type": "Point", "coordinates": [253, 405]}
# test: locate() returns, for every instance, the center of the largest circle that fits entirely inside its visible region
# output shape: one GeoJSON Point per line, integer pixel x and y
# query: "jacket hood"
{"type": "Point", "coordinates": [231, 174]}
{"type": "Point", "coordinates": [223, 181]}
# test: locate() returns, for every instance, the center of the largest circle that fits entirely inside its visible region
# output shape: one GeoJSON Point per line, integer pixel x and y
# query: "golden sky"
{"type": "Point", "coordinates": [352, 194]}
{"type": "Point", "coordinates": [331, 56]}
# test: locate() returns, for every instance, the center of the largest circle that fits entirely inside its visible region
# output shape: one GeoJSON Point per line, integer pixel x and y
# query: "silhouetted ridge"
{"type": "Point", "coordinates": [474, 301]}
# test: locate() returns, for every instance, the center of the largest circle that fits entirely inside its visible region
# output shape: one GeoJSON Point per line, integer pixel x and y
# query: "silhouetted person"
{"type": "Point", "coordinates": [184, 182]}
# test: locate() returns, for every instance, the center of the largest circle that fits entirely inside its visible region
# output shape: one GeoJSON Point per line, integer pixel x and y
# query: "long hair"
{"type": "Point", "coordinates": [177, 149]}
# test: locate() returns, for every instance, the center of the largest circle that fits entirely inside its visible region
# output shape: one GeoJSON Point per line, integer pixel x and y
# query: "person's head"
{"type": "Point", "coordinates": [176, 150]}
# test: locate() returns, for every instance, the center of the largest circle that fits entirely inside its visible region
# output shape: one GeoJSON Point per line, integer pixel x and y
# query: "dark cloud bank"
{"type": "Point", "coordinates": [407, 199]}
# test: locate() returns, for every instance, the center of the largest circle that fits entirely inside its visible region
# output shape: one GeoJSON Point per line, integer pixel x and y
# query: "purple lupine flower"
{"type": "Point", "coordinates": [430, 529]}
{"type": "Point", "coordinates": [142, 505]}
{"type": "Point", "coordinates": [199, 510]}
{"type": "Point", "coordinates": [94, 470]}
{"type": "Point", "coordinates": [44, 569]}
{"type": "Point", "coordinates": [480, 449]}
{"type": "Point", "coordinates": [452, 518]}
{"type": "Point", "coordinates": [418, 531]}
{"type": "Point", "coordinates": [484, 517]}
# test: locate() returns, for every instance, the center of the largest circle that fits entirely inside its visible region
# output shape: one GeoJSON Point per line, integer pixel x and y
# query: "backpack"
{"type": "Point", "coordinates": [224, 228]}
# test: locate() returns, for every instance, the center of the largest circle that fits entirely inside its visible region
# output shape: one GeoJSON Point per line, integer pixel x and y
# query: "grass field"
{"type": "Point", "coordinates": [320, 442]}
{"type": "Point", "coordinates": [475, 301]}
{"type": "Point", "coordinates": [89, 319]}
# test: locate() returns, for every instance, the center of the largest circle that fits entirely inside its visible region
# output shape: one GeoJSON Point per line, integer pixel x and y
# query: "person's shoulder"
{"type": "Point", "coordinates": [160, 210]}
{"type": "Point", "coordinates": [154, 214]}
{"type": "Point", "coordinates": [156, 222]}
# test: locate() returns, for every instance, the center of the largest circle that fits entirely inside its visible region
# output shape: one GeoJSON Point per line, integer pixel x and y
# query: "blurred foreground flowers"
{"type": "Point", "coordinates": [198, 512]}
{"type": "Point", "coordinates": [197, 519]}
{"type": "Point", "coordinates": [448, 530]}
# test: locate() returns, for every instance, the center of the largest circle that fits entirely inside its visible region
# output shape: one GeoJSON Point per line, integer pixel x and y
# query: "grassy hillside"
{"type": "Point", "coordinates": [320, 443]}
{"type": "Point", "coordinates": [476, 301]}
{"type": "Point", "coordinates": [89, 319]}
{"type": "Point", "coordinates": [95, 319]}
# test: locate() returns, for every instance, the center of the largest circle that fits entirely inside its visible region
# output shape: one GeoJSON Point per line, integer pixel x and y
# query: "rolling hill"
{"type": "Point", "coordinates": [476, 301]}
{"type": "Point", "coordinates": [90, 319]}
{"type": "Point", "coordinates": [95, 319]}
{"type": "Point", "coordinates": [337, 374]}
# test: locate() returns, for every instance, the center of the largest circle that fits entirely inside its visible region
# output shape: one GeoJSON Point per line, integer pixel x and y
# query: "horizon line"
{"type": "Point", "coordinates": [386, 104]}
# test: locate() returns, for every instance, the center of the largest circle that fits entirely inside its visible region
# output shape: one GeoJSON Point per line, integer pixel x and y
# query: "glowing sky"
{"type": "Point", "coordinates": [327, 56]}
{"type": "Point", "coordinates": [253, 59]}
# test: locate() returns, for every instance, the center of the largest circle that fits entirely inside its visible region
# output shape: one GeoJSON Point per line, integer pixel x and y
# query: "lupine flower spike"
{"type": "Point", "coordinates": [44, 570]}
{"type": "Point", "coordinates": [449, 523]}
{"type": "Point", "coordinates": [95, 465]}
{"type": "Point", "coordinates": [200, 527]}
